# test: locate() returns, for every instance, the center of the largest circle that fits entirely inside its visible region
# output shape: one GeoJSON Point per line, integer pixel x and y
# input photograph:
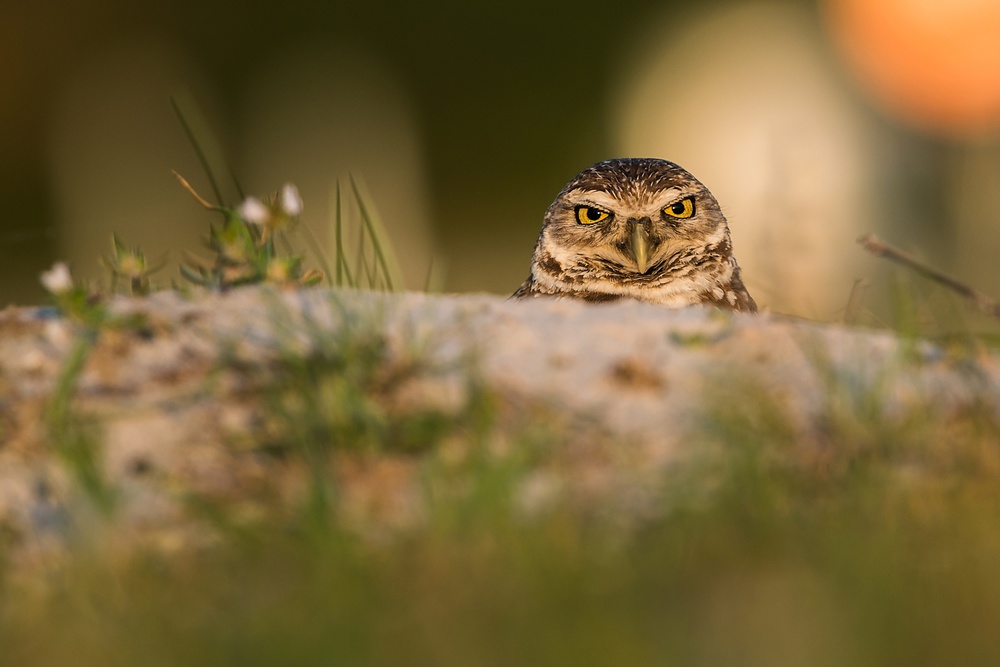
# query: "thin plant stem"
{"type": "Point", "coordinates": [343, 269]}
{"type": "Point", "coordinates": [199, 151]}
{"type": "Point", "coordinates": [429, 278]}
{"type": "Point", "coordinates": [69, 435]}
{"type": "Point", "coordinates": [984, 303]}
{"type": "Point", "coordinates": [853, 309]}
{"type": "Point", "coordinates": [362, 261]}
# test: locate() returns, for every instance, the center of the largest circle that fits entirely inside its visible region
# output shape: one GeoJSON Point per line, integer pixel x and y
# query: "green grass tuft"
{"type": "Point", "coordinates": [75, 438]}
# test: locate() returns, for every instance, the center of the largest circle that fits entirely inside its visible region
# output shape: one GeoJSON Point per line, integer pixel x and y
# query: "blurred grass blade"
{"type": "Point", "coordinates": [855, 301]}
{"type": "Point", "coordinates": [205, 144]}
{"type": "Point", "coordinates": [364, 267]}
{"type": "Point", "coordinates": [343, 268]}
{"type": "Point", "coordinates": [436, 271]}
{"type": "Point", "coordinates": [429, 278]}
{"type": "Point", "coordinates": [72, 435]}
{"type": "Point", "coordinates": [372, 264]}
{"type": "Point", "coordinates": [385, 257]}
{"type": "Point", "coordinates": [338, 235]}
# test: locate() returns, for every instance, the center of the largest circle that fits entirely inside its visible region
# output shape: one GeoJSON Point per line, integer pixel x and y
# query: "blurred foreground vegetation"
{"type": "Point", "coordinates": [873, 543]}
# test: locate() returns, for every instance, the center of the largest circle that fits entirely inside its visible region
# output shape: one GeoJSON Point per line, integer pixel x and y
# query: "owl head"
{"type": "Point", "coordinates": [642, 228]}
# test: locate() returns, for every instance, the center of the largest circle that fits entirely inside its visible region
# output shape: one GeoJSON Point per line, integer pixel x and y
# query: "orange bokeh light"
{"type": "Point", "coordinates": [932, 63]}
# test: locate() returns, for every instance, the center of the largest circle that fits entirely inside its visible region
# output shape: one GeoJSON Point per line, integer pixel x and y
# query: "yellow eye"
{"type": "Point", "coordinates": [680, 209]}
{"type": "Point", "coordinates": [588, 215]}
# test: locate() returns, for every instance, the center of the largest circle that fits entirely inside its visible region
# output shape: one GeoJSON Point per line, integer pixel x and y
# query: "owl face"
{"type": "Point", "coordinates": [637, 228]}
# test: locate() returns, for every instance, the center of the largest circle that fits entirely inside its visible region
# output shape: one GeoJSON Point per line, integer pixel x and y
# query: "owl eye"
{"type": "Point", "coordinates": [680, 209]}
{"type": "Point", "coordinates": [588, 215]}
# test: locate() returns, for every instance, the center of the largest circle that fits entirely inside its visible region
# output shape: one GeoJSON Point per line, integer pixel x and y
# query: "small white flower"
{"type": "Point", "coordinates": [291, 202]}
{"type": "Point", "coordinates": [57, 280]}
{"type": "Point", "coordinates": [253, 211]}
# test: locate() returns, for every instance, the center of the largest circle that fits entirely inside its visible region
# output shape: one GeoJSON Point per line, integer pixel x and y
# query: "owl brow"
{"type": "Point", "coordinates": [675, 194]}
{"type": "Point", "coordinates": [597, 198]}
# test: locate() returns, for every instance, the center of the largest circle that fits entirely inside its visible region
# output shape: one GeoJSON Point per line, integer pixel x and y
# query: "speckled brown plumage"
{"type": "Point", "coordinates": [637, 228]}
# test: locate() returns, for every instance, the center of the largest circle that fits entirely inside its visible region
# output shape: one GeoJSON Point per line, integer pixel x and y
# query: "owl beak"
{"type": "Point", "coordinates": [640, 247]}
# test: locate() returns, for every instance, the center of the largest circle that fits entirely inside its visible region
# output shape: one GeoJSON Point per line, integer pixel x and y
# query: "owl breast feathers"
{"type": "Point", "coordinates": [637, 228]}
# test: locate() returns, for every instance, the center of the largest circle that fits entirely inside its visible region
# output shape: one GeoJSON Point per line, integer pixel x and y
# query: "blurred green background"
{"type": "Point", "coordinates": [811, 123]}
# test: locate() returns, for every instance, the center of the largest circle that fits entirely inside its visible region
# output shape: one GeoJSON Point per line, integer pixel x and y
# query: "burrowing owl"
{"type": "Point", "coordinates": [637, 228]}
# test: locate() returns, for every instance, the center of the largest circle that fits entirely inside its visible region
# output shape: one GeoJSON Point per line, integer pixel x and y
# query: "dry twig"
{"type": "Point", "coordinates": [201, 200]}
{"type": "Point", "coordinates": [982, 302]}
